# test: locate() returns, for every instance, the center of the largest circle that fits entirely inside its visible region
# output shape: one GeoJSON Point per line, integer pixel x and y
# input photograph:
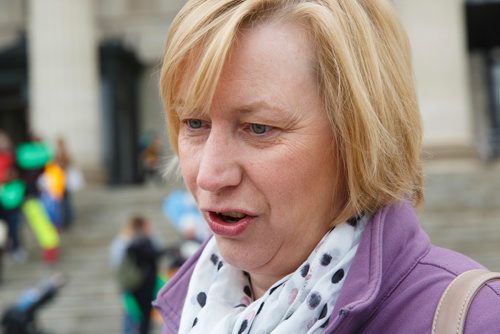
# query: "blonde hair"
{"type": "Point", "coordinates": [364, 71]}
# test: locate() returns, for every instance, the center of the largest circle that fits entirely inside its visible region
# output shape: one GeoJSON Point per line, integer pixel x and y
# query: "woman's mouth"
{"type": "Point", "coordinates": [229, 223]}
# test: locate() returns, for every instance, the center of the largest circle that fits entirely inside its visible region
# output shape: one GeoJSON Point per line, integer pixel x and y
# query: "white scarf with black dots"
{"type": "Point", "coordinates": [219, 298]}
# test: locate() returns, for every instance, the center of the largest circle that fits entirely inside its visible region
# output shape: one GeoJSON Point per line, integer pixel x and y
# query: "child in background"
{"type": "Point", "coordinates": [136, 246]}
{"type": "Point", "coordinates": [143, 250]}
{"type": "Point", "coordinates": [117, 250]}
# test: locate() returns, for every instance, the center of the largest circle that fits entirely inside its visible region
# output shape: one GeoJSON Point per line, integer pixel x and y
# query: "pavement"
{"type": "Point", "coordinates": [461, 212]}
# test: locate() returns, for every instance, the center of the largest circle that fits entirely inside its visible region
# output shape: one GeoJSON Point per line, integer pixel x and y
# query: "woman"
{"type": "Point", "coordinates": [298, 133]}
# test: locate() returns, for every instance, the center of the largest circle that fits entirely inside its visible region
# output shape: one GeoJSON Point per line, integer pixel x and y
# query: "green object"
{"type": "Point", "coordinates": [33, 155]}
{"type": "Point", "coordinates": [130, 304]}
{"type": "Point", "coordinates": [160, 282]}
{"type": "Point", "coordinates": [131, 307]}
{"type": "Point", "coordinates": [130, 275]}
{"type": "Point", "coordinates": [12, 194]}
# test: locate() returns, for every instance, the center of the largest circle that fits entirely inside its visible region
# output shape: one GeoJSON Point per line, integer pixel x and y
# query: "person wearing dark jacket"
{"type": "Point", "coordinates": [145, 254]}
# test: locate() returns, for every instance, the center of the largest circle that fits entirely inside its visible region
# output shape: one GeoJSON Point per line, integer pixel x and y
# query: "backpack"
{"type": "Point", "coordinates": [130, 275]}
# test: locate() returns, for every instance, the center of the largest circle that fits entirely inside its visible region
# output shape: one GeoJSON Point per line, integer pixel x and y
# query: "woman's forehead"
{"type": "Point", "coordinates": [263, 56]}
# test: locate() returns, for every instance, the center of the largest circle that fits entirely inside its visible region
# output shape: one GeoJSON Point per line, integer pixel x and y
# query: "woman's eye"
{"type": "Point", "coordinates": [194, 123]}
{"type": "Point", "coordinates": [260, 128]}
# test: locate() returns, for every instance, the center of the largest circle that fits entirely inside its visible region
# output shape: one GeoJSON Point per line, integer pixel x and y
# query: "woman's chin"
{"type": "Point", "coordinates": [241, 256]}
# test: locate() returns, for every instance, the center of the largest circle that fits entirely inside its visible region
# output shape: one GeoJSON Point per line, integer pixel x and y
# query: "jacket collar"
{"type": "Point", "coordinates": [391, 245]}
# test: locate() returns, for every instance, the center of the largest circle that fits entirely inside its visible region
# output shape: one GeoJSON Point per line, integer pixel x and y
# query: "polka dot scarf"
{"type": "Point", "coordinates": [219, 298]}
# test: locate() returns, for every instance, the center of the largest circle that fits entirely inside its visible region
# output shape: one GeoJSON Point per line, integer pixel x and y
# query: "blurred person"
{"type": "Point", "coordinates": [135, 254]}
{"type": "Point", "coordinates": [32, 157]}
{"type": "Point", "coordinates": [117, 252]}
{"type": "Point", "coordinates": [151, 159]}
{"type": "Point", "coordinates": [12, 194]}
{"type": "Point", "coordinates": [7, 158]}
{"type": "Point", "coordinates": [145, 253]}
{"type": "Point", "coordinates": [297, 130]}
{"type": "Point", "coordinates": [63, 159]}
{"type": "Point", "coordinates": [119, 246]}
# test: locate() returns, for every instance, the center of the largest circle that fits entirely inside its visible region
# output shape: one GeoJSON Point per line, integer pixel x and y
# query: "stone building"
{"type": "Point", "coordinates": [87, 70]}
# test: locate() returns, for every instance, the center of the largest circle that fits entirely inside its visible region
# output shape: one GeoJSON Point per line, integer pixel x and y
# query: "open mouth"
{"type": "Point", "coordinates": [230, 217]}
{"type": "Point", "coordinates": [229, 224]}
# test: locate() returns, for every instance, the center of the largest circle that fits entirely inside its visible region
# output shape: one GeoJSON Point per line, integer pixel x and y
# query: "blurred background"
{"type": "Point", "coordinates": [78, 86]}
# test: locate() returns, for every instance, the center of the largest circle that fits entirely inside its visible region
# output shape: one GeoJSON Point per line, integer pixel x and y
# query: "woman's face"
{"type": "Point", "coordinates": [261, 165]}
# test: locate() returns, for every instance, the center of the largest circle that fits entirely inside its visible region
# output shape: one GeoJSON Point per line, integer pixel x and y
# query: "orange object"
{"type": "Point", "coordinates": [56, 180]}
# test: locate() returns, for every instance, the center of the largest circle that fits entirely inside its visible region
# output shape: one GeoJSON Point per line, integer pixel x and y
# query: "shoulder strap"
{"type": "Point", "coordinates": [454, 303]}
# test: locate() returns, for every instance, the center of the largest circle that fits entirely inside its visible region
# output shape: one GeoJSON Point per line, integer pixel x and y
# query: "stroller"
{"type": "Point", "coordinates": [20, 318]}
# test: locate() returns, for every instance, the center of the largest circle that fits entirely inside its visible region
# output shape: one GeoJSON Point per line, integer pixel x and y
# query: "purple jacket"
{"type": "Point", "coordinates": [393, 285]}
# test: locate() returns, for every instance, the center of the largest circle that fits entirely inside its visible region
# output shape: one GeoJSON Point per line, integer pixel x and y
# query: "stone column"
{"type": "Point", "coordinates": [63, 70]}
{"type": "Point", "coordinates": [437, 34]}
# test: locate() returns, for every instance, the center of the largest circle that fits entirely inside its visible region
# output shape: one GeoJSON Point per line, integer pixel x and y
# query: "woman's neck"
{"type": "Point", "coordinates": [261, 283]}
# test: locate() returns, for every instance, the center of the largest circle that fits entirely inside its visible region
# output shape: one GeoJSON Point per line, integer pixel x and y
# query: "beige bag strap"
{"type": "Point", "coordinates": [452, 308]}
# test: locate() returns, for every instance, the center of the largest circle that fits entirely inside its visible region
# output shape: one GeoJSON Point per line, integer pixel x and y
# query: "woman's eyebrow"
{"type": "Point", "coordinates": [247, 108]}
{"type": "Point", "coordinates": [189, 112]}
{"type": "Point", "coordinates": [259, 105]}
{"type": "Point", "coordinates": [182, 110]}
{"type": "Point", "coordinates": [271, 112]}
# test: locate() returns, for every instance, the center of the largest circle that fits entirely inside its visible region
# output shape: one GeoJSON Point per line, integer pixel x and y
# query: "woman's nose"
{"type": "Point", "coordinates": [218, 167]}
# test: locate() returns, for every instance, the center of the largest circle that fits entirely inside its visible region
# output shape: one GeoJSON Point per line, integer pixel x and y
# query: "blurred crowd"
{"type": "Point", "coordinates": [36, 181]}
